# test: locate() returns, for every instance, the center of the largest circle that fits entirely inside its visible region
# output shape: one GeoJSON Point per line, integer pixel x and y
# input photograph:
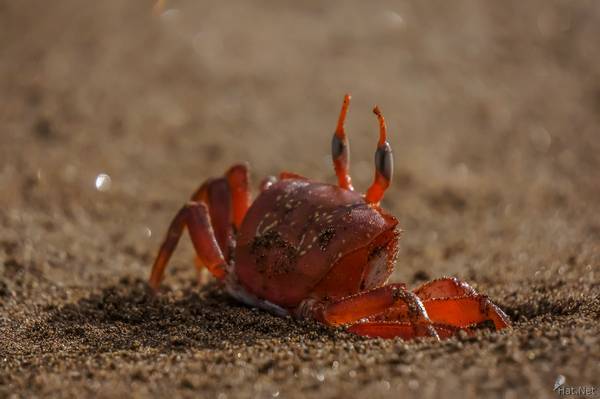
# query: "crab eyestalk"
{"type": "Point", "coordinates": [340, 149]}
{"type": "Point", "coordinates": [384, 163]}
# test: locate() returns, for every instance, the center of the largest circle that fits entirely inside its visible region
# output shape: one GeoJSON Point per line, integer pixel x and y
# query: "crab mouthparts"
{"type": "Point", "coordinates": [381, 259]}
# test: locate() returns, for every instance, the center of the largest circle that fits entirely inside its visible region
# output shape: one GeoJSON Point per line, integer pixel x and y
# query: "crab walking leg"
{"type": "Point", "coordinates": [438, 295]}
{"type": "Point", "coordinates": [384, 163]}
{"type": "Point", "coordinates": [397, 318]}
{"type": "Point", "coordinates": [465, 311]}
{"type": "Point", "coordinates": [216, 195]}
{"type": "Point", "coordinates": [356, 307]}
{"type": "Point", "coordinates": [194, 216]}
{"type": "Point", "coordinates": [386, 329]}
{"type": "Point", "coordinates": [403, 329]}
{"type": "Point", "coordinates": [228, 200]}
{"type": "Point", "coordinates": [445, 287]}
{"type": "Point", "coordinates": [364, 304]}
{"type": "Point", "coordinates": [368, 303]}
{"type": "Point", "coordinates": [447, 317]}
{"type": "Point", "coordinates": [237, 178]}
{"type": "Point", "coordinates": [340, 149]}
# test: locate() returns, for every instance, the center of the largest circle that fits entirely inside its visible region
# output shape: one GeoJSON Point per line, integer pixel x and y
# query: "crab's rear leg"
{"type": "Point", "coordinates": [237, 179]}
{"type": "Point", "coordinates": [227, 199]}
{"type": "Point", "coordinates": [194, 216]}
{"type": "Point", "coordinates": [357, 308]}
{"type": "Point", "coordinates": [454, 302]}
{"type": "Point", "coordinates": [215, 194]}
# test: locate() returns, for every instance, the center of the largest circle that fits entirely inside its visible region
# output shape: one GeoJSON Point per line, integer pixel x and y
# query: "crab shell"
{"type": "Point", "coordinates": [302, 239]}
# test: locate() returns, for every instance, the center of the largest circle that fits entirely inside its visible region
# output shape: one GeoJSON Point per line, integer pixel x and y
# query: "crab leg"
{"type": "Point", "coordinates": [367, 303]}
{"type": "Point", "coordinates": [227, 199]}
{"type": "Point", "coordinates": [403, 329]}
{"type": "Point", "coordinates": [195, 217]}
{"type": "Point", "coordinates": [340, 149]}
{"type": "Point", "coordinates": [445, 287]}
{"type": "Point", "coordinates": [465, 311]}
{"type": "Point", "coordinates": [237, 178]}
{"type": "Point", "coordinates": [451, 305]}
{"type": "Point", "coordinates": [451, 301]}
{"type": "Point", "coordinates": [398, 321]}
{"type": "Point", "coordinates": [384, 163]}
{"type": "Point", "coordinates": [351, 309]}
{"type": "Point", "coordinates": [215, 194]}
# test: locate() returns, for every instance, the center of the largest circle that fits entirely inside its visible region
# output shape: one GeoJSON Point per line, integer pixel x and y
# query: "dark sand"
{"type": "Point", "coordinates": [494, 111]}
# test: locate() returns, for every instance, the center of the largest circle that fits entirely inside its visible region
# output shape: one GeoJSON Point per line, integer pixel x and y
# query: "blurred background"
{"type": "Point", "coordinates": [493, 108]}
{"type": "Point", "coordinates": [111, 116]}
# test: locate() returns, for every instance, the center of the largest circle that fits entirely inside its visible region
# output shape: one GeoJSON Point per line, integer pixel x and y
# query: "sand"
{"type": "Point", "coordinates": [493, 110]}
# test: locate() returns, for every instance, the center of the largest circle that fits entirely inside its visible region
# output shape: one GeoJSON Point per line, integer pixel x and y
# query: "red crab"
{"type": "Point", "coordinates": [320, 251]}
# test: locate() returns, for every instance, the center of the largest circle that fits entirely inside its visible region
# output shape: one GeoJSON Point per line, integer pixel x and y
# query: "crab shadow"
{"type": "Point", "coordinates": [127, 317]}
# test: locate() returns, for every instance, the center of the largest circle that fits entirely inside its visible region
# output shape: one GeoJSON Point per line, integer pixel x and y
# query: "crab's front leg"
{"type": "Point", "coordinates": [451, 305]}
{"type": "Point", "coordinates": [356, 310]}
{"type": "Point", "coordinates": [194, 216]}
{"type": "Point", "coordinates": [439, 309]}
{"type": "Point", "coordinates": [454, 302]}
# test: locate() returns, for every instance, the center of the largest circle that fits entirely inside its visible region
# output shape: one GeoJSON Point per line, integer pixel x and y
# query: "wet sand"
{"type": "Point", "coordinates": [493, 110]}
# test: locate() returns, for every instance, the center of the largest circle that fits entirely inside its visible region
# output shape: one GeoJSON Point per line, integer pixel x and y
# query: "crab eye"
{"type": "Point", "coordinates": [338, 147]}
{"type": "Point", "coordinates": [384, 164]}
{"type": "Point", "coordinates": [384, 161]}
